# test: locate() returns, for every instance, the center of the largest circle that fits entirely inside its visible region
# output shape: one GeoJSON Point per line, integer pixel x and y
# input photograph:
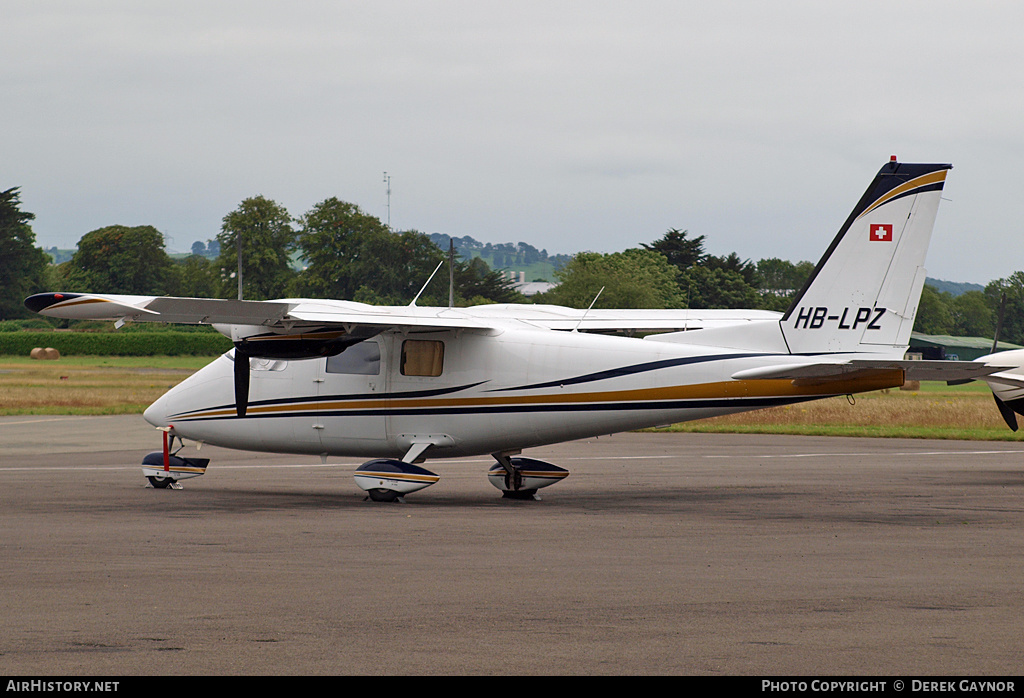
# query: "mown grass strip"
{"type": "Point", "coordinates": [83, 385]}
{"type": "Point", "coordinates": [935, 411]}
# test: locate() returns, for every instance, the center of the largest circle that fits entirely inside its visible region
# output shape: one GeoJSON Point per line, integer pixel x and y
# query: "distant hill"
{"type": "Point", "coordinates": [537, 265]}
{"type": "Point", "coordinates": [60, 256]}
{"type": "Point", "coordinates": [954, 288]}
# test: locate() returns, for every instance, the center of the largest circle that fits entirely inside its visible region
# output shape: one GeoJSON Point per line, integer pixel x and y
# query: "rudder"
{"type": "Point", "coordinates": [863, 294]}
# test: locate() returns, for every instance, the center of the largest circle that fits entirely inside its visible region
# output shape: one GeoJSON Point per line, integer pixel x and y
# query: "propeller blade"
{"type": "Point", "coordinates": [1009, 416]}
{"type": "Point", "coordinates": [241, 383]}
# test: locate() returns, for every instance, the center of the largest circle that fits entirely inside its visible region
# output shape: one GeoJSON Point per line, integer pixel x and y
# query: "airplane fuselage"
{"type": "Point", "coordinates": [508, 389]}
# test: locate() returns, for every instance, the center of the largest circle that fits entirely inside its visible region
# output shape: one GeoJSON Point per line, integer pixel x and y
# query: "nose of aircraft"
{"type": "Point", "coordinates": [157, 413]}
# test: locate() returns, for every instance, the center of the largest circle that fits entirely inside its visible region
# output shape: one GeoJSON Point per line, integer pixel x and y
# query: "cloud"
{"type": "Point", "coordinates": [569, 125]}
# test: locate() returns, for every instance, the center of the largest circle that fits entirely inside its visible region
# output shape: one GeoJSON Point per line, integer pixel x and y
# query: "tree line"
{"type": "Point", "coordinates": [676, 271]}
{"type": "Point", "coordinates": [349, 254]}
{"type": "Point", "coordinates": [345, 252]}
{"type": "Point", "coordinates": [522, 254]}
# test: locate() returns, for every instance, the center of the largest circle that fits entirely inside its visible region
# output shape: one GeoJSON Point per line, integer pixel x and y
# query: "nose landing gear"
{"type": "Point", "coordinates": [163, 469]}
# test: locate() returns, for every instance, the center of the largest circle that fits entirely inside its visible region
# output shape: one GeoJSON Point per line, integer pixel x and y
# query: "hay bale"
{"type": "Point", "coordinates": [38, 353]}
{"type": "Point", "coordinates": [51, 354]}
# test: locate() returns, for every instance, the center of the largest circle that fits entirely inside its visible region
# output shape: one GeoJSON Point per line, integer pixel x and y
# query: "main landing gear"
{"type": "Point", "coordinates": [520, 478]}
{"type": "Point", "coordinates": [388, 480]}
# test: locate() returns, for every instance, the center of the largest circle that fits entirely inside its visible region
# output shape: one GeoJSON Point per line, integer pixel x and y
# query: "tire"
{"type": "Point", "coordinates": [161, 482]}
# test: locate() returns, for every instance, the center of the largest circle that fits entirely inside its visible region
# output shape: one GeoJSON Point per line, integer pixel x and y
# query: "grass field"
{"type": "Point", "coordinates": [127, 385]}
{"type": "Point", "coordinates": [90, 384]}
{"type": "Point", "coordinates": [935, 411]}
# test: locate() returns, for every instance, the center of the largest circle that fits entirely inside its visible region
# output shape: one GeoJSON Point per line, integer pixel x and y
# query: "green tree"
{"type": "Point", "coordinates": [708, 287]}
{"type": "Point", "coordinates": [780, 280]}
{"type": "Point", "coordinates": [633, 278]}
{"type": "Point", "coordinates": [121, 259]}
{"type": "Point", "coordinates": [197, 277]}
{"type": "Point", "coordinates": [475, 282]}
{"type": "Point", "coordinates": [22, 264]}
{"type": "Point", "coordinates": [731, 262]}
{"type": "Point", "coordinates": [352, 255]}
{"type": "Point", "coordinates": [706, 281]}
{"type": "Point", "coordinates": [402, 264]}
{"type": "Point", "coordinates": [337, 240]}
{"type": "Point", "coordinates": [972, 316]}
{"type": "Point", "coordinates": [267, 239]}
{"type": "Point", "coordinates": [1013, 316]}
{"type": "Point", "coordinates": [933, 314]}
{"type": "Point", "coordinates": [680, 251]}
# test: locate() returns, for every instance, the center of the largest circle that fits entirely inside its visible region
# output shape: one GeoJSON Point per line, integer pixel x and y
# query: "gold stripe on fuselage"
{"type": "Point", "coordinates": [781, 388]}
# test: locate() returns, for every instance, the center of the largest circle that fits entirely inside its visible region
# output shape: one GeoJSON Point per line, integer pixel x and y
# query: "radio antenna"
{"type": "Point", "coordinates": [413, 304]}
{"type": "Point", "coordinates": [387, 181]}
{"type": "Point", "coordinates": [583, 317]}
{"type": "Point", "coordinates": [451, 272]}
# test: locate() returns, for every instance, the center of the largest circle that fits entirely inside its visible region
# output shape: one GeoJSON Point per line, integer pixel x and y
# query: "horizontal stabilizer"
{"type": "Point", "coordinates": [913, 370]}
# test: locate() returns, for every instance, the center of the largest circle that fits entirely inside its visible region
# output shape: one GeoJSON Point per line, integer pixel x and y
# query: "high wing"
{"type": "Point", "coordinates": [290, 314]}
{"type": "Point", "coordinates": [282, 329]}
{"type": "Point", "coordinates": [346, 322]}
{"type": "Point", "coordinates": [556, 317]}
{"type": "Point", "coordinates": [283, 315]}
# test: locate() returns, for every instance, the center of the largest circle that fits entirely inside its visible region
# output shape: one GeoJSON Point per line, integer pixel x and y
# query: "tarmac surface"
{"type": "Point", "coordinates": [660, 554]}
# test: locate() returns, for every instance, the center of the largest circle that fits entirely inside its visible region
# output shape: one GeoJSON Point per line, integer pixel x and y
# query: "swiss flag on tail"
{"type": "Point", "coordinates": [881, 232]}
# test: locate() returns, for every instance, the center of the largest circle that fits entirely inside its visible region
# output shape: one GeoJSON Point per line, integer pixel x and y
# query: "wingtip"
{"type": "Point", "coordinates": [41, 301]}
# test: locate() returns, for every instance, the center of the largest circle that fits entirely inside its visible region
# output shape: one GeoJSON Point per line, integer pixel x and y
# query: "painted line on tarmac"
{"type": "Point", "coordinates": [467, 461]}
{"type": "Point", "coordinates": [5, 422]}
{"type": "Point", "coordinates": [867, 453]}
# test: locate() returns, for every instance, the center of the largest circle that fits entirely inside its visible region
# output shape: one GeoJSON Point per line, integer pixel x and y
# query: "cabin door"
{"type": "Point", "coordinates": [350, 396]}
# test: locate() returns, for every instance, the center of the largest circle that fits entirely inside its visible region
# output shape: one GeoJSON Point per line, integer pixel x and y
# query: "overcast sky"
{"type": "Point", "coordinates": [568, 125]}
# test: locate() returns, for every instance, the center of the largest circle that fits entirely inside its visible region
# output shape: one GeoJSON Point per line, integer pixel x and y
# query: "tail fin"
{"type": "Point", "coordinates": [863, 295]}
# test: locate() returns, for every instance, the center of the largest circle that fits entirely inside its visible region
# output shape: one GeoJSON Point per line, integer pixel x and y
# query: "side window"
{"type": "Point", "coordinates": [422, 357]}
{"type": "Point", "coordinates": [361, 359]}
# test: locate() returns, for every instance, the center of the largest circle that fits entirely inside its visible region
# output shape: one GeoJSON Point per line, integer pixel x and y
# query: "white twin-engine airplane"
{"type": "Point", "coordinates": [404, 384]}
